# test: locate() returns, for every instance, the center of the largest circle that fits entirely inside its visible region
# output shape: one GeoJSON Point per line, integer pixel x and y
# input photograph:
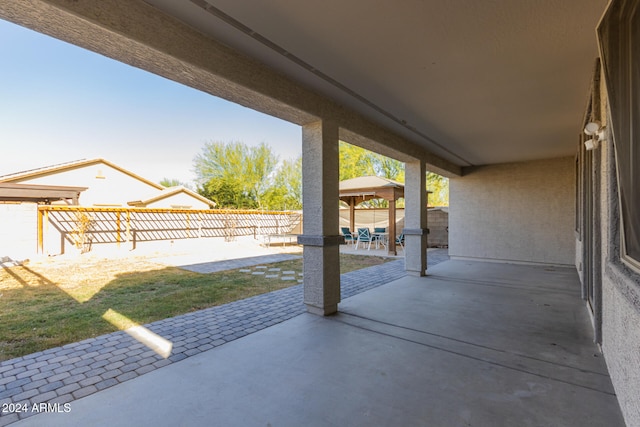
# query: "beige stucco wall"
{"type": "Point", "coordinates": [620, 303]}
{"type": "Point", "coordinates": [438, 224]}
{"type": "Point", "coordinates": [616, 296]}
{"type": "Point", "coordinates": [517, 212]}
{"type": "Point", "coordinates": [620, 297]}
{"type": "Point", "coordinates": [621, 337]}
{"type": "Point", "coordinates": [18, 234]}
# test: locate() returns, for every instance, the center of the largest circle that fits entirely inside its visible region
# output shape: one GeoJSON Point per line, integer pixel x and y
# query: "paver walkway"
{"type": "Point", "coordinates": [63, 374]}
{"type": "Point", "coordinates": [232, 264]}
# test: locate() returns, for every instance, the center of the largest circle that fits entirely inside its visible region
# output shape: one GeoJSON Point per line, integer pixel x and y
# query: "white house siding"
{"type": "Point", "coordinates": [113, 188]}
{"type": "Point", "coordinates": [18, 235]}
{"type": "Point", "coordinates": [515, 212]}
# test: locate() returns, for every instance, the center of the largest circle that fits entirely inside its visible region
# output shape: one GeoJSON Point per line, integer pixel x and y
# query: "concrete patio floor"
{"type": "Point", "coordinates": [472, 344]}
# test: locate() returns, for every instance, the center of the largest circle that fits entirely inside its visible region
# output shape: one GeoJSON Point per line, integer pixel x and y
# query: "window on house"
{"type": "Point", "coordinates": [619, 36]}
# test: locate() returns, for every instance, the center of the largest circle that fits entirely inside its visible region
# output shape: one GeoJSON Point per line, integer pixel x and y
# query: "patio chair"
{"type": "Point", "coordinates": [400, 240]}
{"type": "Point", "coordinates": [348, 236]}
{"type": "Point", "coordinates": [364, 236]}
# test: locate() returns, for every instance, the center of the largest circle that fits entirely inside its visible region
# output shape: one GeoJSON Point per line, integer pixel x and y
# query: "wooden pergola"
{"type": "Point", "coordinates": [357, 190]}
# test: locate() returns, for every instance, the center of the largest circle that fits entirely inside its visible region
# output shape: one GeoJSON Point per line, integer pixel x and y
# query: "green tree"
{"type": "Point", "coordinates": [227, 194]}
{"type": "Point", "coordinates": [439, 186]}
{"type": "Point", "coordinates": [234, 174]}
{"type": "Point", "coordinates": [237, 176]}
{"type": "Point", "coordinates": [260, 168]}
{"type": "Point", "coordinates": [387, 167]}
{"type": "Point", "coordinates": [286, 191]}
{"type": "Point", "coordinates": [172, 182]}
{"type": "Point", "coordinates": [356, 161]}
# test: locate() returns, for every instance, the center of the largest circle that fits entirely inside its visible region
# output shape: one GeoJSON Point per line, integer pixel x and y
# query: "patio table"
{"type": "Point", "coordinates": [381, 238]}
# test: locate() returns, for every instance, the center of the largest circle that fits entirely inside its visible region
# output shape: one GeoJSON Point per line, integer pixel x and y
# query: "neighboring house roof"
{"type": "Point", "coordinates": [163, 192]}
{"type": "Point", "coordinates": [62, 167]}
{"type": "Point", "coordinates": [368, 182]}
{"type": "Point", "coordinates": [169, 192]}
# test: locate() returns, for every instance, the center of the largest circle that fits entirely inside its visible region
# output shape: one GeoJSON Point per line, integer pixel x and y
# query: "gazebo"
{"type": "Point", "coordinates": [357, 190]}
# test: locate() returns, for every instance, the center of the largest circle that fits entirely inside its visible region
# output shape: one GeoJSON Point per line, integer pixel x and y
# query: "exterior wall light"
{"type": "Point", "coordinates": [596, 133]}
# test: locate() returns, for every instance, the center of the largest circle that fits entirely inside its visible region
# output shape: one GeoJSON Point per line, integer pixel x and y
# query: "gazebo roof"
{"type": "Point", "coordinates": [370, 187]}
{"type": "Point", "coordinates": [368, 182]}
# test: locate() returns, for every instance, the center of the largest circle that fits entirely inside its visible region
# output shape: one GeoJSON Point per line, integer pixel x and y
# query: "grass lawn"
{"type": "Point", "coordinates": [49, 304]}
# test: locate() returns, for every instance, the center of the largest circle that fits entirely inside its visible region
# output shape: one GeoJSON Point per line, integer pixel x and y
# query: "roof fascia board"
{"type": "Point", "coordinates": [27, 192]}
{"type": "Point", "coordinates": [78, 165]}
{"type": "Point", "coordinates": [173, 192]}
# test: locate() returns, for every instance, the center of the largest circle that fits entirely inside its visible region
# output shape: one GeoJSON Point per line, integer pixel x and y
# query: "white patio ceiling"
{"type": "Point", "coordinates": [476, 82]}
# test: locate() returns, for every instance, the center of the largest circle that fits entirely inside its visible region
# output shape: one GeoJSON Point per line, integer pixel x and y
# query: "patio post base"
{"type": "Point", "coordinates": [416, 273]}
{"type": "Point", "coordinates": [322, 311]}
{"type": "Point", "coordinates": [415, 258]}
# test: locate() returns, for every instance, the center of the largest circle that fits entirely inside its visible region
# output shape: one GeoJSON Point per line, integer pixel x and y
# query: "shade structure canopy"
{"type": "Point", "coordinates": [357, 190]}
{"type": "Point", "coordinates": [12, 192]}
{"type": "Point", "coordinates": [366, 188]}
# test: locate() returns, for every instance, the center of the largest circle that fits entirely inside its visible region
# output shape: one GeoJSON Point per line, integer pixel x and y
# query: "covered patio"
{"type": "Point", "coordinates": [472, 344]}
{"type": "Point", "coordinates": [491, 95]}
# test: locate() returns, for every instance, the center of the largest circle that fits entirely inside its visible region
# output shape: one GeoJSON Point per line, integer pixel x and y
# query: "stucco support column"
{"type": "Point", "coordinates": [415, 219]}
{"type": "Point", "coordinates": [320, 178]}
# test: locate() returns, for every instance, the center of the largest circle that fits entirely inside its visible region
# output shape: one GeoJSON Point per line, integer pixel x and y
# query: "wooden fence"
{"type": "Point", "coordinates": [85, 226]}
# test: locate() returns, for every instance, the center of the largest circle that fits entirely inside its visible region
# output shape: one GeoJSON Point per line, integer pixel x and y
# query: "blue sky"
{"type": "Point", "coordinates": [59, 103]}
